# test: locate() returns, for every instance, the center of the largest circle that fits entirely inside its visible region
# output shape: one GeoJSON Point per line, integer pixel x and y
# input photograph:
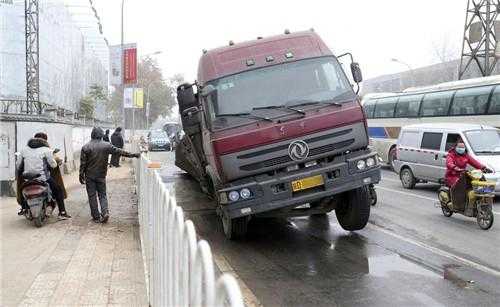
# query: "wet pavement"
{"type": "Point", "coordinates": [313, 261]}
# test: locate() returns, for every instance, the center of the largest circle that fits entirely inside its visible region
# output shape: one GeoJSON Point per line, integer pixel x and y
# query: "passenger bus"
{"type": "Point", "coordinates": [473, 101]}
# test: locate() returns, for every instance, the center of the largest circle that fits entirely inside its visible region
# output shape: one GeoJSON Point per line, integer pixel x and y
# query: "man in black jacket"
{"type": "Point", "coordinates": [93, 170]}
{"type": "Point", "coordinates": [117, 141]}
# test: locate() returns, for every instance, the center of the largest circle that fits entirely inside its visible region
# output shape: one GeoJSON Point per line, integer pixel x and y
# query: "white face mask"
{"type": "Point", "coordinates": [460, 150]}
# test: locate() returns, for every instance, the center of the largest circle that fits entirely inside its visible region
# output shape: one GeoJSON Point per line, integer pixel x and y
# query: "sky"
{"type": "Point", "coordinates": [374, 31]}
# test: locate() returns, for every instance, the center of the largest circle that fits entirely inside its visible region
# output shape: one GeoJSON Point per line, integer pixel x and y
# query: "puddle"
{"type": "Point", "coordinates": [383, 265]}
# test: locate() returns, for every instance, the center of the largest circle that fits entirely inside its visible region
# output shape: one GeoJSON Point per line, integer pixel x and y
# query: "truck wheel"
{"type": "Point", "coordinates": [354, 211]}
{"type": "Point", "coordinates": [407, 178]}
{"type": "Point", "coordinates": [234, 228]}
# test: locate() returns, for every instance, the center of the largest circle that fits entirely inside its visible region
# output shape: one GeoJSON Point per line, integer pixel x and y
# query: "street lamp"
{"type": "Point", "coordinates": [150, 54]}
{"type": "Point", "coordinates": [122, 64]}
{"type": "Point", "coordinates": [410, 69]}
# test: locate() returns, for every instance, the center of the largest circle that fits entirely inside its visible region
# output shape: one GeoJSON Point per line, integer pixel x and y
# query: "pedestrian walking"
{"type": "Point", "coordinates": [106, 136]}
{"type": "Point", "coordinates": [93, 171]}
{"type": "Point", "coordinates": [117, 141]}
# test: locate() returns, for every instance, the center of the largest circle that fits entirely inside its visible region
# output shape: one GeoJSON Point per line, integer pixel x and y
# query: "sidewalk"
{"type": "Point", "coordinates": [74, 262]}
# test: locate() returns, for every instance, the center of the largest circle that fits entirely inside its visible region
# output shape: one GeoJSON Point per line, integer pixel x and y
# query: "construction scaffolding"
{"type": "Point", "coordinates": [480, 41]}
{"type": "Point", "coordinates": [64, 56]}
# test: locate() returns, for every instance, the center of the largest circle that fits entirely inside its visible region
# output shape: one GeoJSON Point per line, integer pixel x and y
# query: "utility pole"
{"type": "Point", "coordinates": [479, 41]}
{"type": "Point", "coordinates": [31, 27]}
{"type": "Point", "coordinates": [122, 74]}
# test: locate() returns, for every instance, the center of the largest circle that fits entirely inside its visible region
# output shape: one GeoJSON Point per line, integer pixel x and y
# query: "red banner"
{"type": "Point", "coordinates": [130, 66]}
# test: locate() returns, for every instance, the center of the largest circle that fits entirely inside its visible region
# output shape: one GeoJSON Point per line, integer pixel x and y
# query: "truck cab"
{"type": "Point", "coordinates": [273, 127]}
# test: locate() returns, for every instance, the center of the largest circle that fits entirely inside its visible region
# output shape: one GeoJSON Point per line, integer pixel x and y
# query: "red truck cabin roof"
{"type": "Point", "coordinates": [228, 60]}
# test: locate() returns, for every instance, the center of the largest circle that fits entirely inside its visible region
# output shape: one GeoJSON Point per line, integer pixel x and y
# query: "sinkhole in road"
{"type": "Point", "coordinates": [381, 266]}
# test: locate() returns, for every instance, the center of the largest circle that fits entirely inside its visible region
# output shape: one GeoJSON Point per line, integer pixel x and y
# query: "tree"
{"type": "Point", "coordinates": [88, 102]}
{"type": "Point", "coordinates": [446, 51]}
{"type": "Point", "coordinates": [87, 106]}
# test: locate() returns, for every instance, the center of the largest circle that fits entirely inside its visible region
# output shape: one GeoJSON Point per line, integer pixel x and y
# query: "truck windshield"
{"type": "Point", "coordinates": [302, 82]}
{"type": "Point", "coordinates": [484, 142]}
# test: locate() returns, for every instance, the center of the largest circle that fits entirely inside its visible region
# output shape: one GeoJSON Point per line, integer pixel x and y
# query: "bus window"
{"type": "Point", "coordinates": [436, 104]}
{"type": "Point", "coordinates": [408, 106]}
{"type": "Point", "coordinates": [470, 101]}
{"type": "Point", "coordinates": [385, 107]}
{"type": "Point", "coordinates": [495, 101]}
{"type": "Point", "coordinates": [369, 106]}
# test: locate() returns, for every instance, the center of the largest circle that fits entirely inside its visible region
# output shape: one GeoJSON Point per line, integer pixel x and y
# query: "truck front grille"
{"type": "Point", "coordinates": [285, 159]}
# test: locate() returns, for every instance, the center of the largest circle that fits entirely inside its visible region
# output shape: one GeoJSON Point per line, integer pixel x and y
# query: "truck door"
{"type": "Point", "coordinates": [431, 152]}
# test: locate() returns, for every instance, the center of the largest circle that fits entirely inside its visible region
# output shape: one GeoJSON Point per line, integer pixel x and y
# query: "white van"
{"type": "Point", "coordinates": [422, 149]}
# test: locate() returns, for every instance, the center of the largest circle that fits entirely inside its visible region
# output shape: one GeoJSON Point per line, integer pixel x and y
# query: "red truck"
{"type": "Point", "coordinates": [273, 127]}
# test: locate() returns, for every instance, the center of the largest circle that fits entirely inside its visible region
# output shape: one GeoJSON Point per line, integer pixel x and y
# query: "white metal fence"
{"type": "Point", "coordinates": [179, 268]}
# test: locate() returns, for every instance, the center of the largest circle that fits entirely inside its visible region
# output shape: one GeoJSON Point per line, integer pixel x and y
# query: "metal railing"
{"type": "Point", "coordinates": [179, 269]}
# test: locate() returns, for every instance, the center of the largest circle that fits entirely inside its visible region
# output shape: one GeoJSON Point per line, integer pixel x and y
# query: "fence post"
{"type": "Point", "coordinates": [179, 269]}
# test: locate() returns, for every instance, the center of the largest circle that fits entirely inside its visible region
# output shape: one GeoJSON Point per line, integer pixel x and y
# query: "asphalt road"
{"type": "Point", "coordinates": [399, 259]}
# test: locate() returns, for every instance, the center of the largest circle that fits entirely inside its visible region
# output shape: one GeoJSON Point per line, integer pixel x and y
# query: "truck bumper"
{"type": "Point", "coordinates": [275, 192]}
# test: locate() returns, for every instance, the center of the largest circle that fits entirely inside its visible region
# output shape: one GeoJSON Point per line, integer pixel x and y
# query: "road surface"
{"type": "Point", "coordinates": [398, 259]}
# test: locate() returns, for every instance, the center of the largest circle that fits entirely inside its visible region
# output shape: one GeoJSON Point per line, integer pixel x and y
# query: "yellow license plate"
{"type": "Point", "coordinates": [307, 183]}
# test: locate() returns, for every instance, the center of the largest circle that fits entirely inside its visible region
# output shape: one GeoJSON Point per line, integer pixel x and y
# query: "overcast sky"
{"type": "Point", "coordinates": [374, 31]}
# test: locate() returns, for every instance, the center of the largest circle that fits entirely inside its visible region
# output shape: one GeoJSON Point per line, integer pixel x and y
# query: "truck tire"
{"type": "Point", "coordinates": [234, 228]}
{"type": "Point", "coordinates": [354, 211]}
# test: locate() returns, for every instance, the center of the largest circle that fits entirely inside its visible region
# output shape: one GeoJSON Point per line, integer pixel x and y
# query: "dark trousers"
{"type": "Point", "coordinates": [115, 160]}
{"type": "Point", "coordinates": [96, 187]}
{"type": "Point", "coordinates": [57, 193]}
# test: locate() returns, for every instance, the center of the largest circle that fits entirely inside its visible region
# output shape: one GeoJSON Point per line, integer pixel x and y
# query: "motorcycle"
{"type": "Point", "coordinates": [38, 199]}
{"type": "Point", "coordinates": [471, 196]}
{"type": "Point", "coordinates": [39, 202]}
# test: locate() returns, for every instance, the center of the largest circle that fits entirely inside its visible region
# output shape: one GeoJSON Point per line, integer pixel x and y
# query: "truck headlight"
{"type": "Point", "coordinates": [370, 162]}
{"type": "Point", "coordinates": [234, 195]}
{"type": "Point", "coordinates": [361, 164]}
{"type": "Point", "coordinates": [245, 193]}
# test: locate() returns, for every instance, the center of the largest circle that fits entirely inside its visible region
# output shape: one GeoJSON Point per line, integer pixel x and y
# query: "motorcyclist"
{"type": "Point", "coordinates": [457, 161]}
{"type": "Point", "coordinates": [37, 157]}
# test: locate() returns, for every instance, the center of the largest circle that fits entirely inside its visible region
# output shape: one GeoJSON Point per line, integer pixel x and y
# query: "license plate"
{"type": "Point", "coordinates": [307, 183]}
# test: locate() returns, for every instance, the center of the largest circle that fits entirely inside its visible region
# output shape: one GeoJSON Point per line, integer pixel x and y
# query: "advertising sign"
{"type": "Point", "coordinates": [115, 65]}
{"type": "Point", "coordinates": [128, 97]}
{"type": "Point", "coordinates": [130, 65]}
{"type": "Point", "coordinates": [116, 76]}
{"type": "Point", "coordinates": [139, 98]}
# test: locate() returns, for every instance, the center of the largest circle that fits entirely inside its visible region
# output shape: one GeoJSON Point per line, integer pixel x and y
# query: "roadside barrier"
{"type": "Point", "coordinates": [179, 268]}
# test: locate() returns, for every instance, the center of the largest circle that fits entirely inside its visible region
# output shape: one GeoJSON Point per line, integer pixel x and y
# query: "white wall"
{"type": "Point", "coordinates": [7, 150]}
{"type": "Point", "coordinates": [15, 135]}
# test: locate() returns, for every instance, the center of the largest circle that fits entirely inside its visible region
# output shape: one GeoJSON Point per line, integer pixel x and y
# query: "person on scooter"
{"type": "Point", "coordinates": [457, 161]}
{"type": "Point", "coordinates": [37, 157]}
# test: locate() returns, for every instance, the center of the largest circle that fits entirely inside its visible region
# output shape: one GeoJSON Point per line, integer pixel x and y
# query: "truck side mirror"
{"type": "Point", "coordinates": [208, 90]}
{"type": "Point", "coordinates": [186, 97]}
{"type": "Point", "coordinates": [357, 75]}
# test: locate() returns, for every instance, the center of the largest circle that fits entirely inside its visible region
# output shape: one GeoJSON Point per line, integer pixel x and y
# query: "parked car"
{"type": "Point", "coordinates": [158, 140]}
{"type": "Point", "coordinates": [422, 150]}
